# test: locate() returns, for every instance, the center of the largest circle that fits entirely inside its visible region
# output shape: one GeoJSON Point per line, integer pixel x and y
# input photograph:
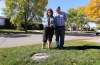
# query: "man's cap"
{"type": "Point", "coordinates": [58, 8]}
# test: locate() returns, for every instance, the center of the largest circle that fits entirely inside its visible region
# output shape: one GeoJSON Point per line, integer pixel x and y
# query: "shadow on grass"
{"type": "Point", "coordinates": [79, 47]}
{"type": "Point", "coordinates": [17, 34]}
{"type": "Point", "coordinates": [14, 35]}
{"type": "Point", "coordinates": [82, 34]}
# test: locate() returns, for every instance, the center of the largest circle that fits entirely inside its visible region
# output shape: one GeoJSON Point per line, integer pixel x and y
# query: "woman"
{"type": "Point", "coordinates": [48, 28]}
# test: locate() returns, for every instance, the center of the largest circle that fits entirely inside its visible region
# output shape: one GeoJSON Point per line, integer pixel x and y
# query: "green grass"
{"type": "Point", "coordinates": [30, 31]}
{"type": "Point", "coordinates": [10, 30]}
{"type": "Point", "coordinates": [77, 52]}
{"type": "Point", "coordinates": [2, 31]}
{"type": "Point", "coordinates": [98, 25]}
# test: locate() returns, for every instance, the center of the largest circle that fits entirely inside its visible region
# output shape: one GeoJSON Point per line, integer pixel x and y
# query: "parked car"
{"type": "Point", "coordinates": [97, 31]}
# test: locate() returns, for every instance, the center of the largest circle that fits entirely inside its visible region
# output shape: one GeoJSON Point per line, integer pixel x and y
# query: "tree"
{"type": "Point", "coordinates": [75, 15]}
{"type": "Point", "coordinates": [92, 10]}
{"type": "Point", "coordinates": [24, 11]}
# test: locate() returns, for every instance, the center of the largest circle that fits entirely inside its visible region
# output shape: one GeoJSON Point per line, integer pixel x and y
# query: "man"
{"type": "Point", "coordinates": [59, 22]}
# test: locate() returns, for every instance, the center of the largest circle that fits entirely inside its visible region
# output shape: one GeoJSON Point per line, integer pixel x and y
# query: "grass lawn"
{"type": "Point", "coordinates": [9, 30]}
{"type": "Point", "coordinates": [2, 31]}
{"type": "Point", "coordinates": [32, 31]}
{"type": "Point", "coordinates": [76, 52]}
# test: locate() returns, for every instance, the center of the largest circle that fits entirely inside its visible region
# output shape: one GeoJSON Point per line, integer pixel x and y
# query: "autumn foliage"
{"type": "Point", "coordinates": [92, 9]}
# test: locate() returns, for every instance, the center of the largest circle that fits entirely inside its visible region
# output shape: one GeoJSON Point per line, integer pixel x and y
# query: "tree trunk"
{"type": "Point", "coordinates": [25, 28]}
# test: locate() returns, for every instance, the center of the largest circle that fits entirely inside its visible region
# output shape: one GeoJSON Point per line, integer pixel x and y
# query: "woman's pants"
{"type": "Point", "coordinates": [48, 34]}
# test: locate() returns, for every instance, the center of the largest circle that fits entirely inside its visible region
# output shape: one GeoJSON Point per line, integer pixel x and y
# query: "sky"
{"type": "Point", "coordinates": [64, 4]}
{"type": "Point", "coordinates": [1, 7]}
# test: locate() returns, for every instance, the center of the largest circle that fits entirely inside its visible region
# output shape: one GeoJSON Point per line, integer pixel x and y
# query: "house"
{"type": "Point", "coordinates": [5, 23]}
{"type": "Point", "coordinates": [2, 20]}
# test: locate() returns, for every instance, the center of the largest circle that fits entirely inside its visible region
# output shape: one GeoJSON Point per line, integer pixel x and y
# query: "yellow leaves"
{"type": "Point", "coordinates": [93, 9]}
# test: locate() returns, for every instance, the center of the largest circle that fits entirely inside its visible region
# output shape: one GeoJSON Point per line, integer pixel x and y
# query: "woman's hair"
{"type": "Point", "coordinates": [50, 11]}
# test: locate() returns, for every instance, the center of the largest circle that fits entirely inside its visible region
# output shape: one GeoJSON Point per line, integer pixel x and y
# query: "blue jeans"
{"type": "Point", "coordinates": [60, 34]}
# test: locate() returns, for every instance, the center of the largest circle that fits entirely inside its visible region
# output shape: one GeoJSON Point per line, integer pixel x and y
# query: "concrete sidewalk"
{"type": "Point", "coordinates": [13, 40]}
